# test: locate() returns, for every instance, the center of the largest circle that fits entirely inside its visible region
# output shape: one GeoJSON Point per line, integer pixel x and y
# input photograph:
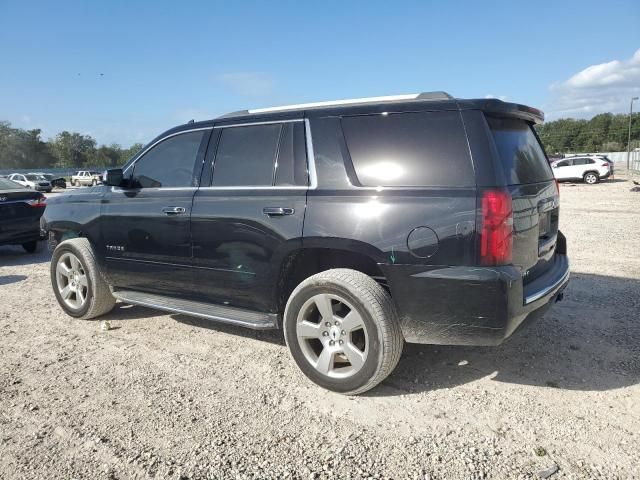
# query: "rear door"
{"type": "Point", "coordinates": [534, 194]}
{"type": "Point", "coordinates": [145, 227]}
{"type": "Point", "coordinates": [250, 216]}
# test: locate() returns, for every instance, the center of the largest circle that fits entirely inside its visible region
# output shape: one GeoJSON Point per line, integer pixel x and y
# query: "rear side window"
{"type": "Point", "coordinates": [409, 149]}
{"type": "Point", "coordinates": [261, 155]}
{"type": "Point", "coordinates": [583, 161]}
{"type": "Point", "coordinates": [291, 165]}
{"type": "Point", "coordinates": [522, 157]}
{"type": "Point", "coordinates": [246, 156]}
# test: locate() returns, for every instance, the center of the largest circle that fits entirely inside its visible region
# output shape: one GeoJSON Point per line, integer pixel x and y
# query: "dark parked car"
{"type": "Point", "coordinates": [56, 182]}
{"type": "Point", "coordinates": [355, 226]}
{"type": "Point", "coordinates": [20, 212]}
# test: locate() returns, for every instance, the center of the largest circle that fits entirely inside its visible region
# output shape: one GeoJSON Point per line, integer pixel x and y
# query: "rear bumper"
{"type": "Point", "coordinates": [471, 305]}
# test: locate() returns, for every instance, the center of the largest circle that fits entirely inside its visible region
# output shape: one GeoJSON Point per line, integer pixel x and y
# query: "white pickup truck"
{"type": "Point", "coordinates": [86, 177]}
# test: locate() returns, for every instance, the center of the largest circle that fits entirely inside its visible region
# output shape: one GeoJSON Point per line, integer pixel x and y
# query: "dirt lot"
{"type": "Point", "coordinates": [168, 396]}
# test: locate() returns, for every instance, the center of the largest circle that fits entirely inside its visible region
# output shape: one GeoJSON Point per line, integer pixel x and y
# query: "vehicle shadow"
{"type": "Point", "coordinates": [8, 279]}
{"type": "Point", "coordinates": [590, 341]}
{"type": "Point", "coordinates": [272, 336]}
{"type": "Point", "coordinates": [14, 255]}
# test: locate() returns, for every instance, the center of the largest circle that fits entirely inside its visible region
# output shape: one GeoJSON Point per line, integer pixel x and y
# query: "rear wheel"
{"type": "Point", "coordinates": [30, 247]}
{"type": "Point", "coordinates": [342, 330]}
{"type": "Point", "coordinates": [77, 283]}
{"type": "Point", "coordinates": [591, 178]}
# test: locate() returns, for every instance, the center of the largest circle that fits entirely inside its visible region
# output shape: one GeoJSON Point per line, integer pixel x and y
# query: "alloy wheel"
{"type": "Point", "coordinates": [332, 336]}
{"type": "Point", "coordinates": [72, 281]}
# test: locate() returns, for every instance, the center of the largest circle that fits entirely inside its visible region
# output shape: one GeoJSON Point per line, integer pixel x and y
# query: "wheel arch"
{"type": "Point", "coordinates": [304, 262]}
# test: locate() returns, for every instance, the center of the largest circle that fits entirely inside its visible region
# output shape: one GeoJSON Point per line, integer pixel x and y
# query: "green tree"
{"type": "Point", "coordinates": [73, 149]}
{"type": "Point", "coordinates": [23, 148]}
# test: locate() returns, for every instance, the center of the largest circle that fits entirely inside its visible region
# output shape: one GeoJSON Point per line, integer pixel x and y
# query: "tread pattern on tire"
{"type": "Point", "coordinates": [380, 305]}
{"type": "Point", "coordinates": [101, 301]}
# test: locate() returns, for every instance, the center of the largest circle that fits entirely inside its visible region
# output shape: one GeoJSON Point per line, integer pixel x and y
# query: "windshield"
{"type": "Point", "coordinates": [34, 177]}
{"type": "Point", "coordinates": [523, 159]}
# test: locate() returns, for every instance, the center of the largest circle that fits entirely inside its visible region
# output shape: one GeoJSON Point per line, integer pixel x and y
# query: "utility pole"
{"type": "Point", "coordinates": [629, 138]}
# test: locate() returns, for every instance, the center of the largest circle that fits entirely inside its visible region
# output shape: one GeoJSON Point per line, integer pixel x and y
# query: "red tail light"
{"type": "Point", "coordinates": [605, 164]}
{"type": "Point", "coordinates": [38, 202]}
{"type": "Point", "coordinates": [496, 231]}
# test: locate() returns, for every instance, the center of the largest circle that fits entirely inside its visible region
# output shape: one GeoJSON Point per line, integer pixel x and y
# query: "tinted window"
{"type": "Point", "coordinates": [291, 164]}
{"type": "Point", "coordinates": [246, 156]}
{"type": "Point", "coordinates": [522, 156]}
{"type": "Point", "coordinates": [170, 163]}
{"type": "Point", "coordinates": [582, 161]}
{"type": "Point", "coordinates": [409, 149]}
{"type": "Point", "coordinates": [563, 164]}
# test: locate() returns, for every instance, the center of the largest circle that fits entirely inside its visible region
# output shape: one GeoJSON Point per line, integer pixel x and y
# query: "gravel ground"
{"type": "Point", "coordinates": [167, 396]}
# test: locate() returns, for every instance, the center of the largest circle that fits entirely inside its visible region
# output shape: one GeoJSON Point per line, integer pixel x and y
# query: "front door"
{"type": "Point", "coordinates": [251, 215]}
{"type": "Point", "coordinates": [562, 170]}
{"type": "Point", "coordinates": [145, 227]}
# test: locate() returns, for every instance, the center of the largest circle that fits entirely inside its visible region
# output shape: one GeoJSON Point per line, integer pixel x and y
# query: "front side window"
{"type": "Point", "coordinates": [170, 163]}
{"type": "Point", "coordinates": [564, 163]}
{"type": "Point", "coordinates": [409, 149]}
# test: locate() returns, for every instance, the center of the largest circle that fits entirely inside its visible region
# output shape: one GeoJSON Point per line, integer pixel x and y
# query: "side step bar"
{"type": "Point", "coordinates": [208, 311]}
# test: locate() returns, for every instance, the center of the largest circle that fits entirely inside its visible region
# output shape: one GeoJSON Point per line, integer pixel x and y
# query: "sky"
{"type": "Point", "coordinates": [124, 71]}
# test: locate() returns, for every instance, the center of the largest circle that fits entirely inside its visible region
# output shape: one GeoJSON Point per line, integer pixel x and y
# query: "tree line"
{"type": "Point", "coordinates": [21, 148]}
{"type": "Point", "coordinates": [605, 132]}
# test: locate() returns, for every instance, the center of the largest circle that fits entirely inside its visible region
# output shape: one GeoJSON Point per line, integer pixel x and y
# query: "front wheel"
{"type": "Point", "coordinates": [77, 283]}
{"type": "Point", "coordinates": [591, 178]}
{"type": "Point", "coordinates": [342, 331]}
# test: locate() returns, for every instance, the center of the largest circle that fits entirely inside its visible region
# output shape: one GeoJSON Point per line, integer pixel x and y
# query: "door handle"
{"type": "Point", "coordinates": [277, 211]}
{"type": "Point", "coordinates": [173, 210]}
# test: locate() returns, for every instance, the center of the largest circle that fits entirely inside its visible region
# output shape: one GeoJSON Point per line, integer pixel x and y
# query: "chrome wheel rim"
{"type": "Point", "coordinates": [332, 336]}
{"type": "Point", "coordinates": [72, 281]}
{"type": "Point", "coordinates": [591, 178]}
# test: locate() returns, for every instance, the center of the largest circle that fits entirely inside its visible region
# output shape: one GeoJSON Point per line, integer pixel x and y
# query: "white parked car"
{"type": "Point", "coordinates": [590, 169]}
{"type": "Point", "coordinates": [86, 177]}
{"type": "Point", "coordinates": [30, 180]}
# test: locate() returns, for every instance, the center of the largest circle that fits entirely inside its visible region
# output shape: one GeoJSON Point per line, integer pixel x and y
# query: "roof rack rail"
{"type": "Point", "coordinates": [351, 101]}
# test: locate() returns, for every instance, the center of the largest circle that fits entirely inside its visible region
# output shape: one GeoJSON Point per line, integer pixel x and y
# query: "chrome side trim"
{"type": "Point", "coordinates": [250, 124]}
{"type": "Point", "coordinates": [541, 293]}
{"type": "Point", "coordinates": [311, 159]}
{"type": "Point", "coordinates": [347, 101]}
{"type": "Point", "coordinates": [143, 153]}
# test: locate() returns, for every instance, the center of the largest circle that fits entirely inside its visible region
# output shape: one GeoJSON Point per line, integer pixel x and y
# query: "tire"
{"type": "Point", "coordinates": [30, 247]}
{"type": "Point", "coordinates": [88, 295]}
{"type": "Point", "coordinates": [376, 336]}
{"type": "Point", "coordinates": [76, 183]}
{"type": "Point", "coordinates": [591, 178]}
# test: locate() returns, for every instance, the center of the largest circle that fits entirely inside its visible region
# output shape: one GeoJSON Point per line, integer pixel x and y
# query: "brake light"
{"type": "Point", "coordinates": [605, 164]}
{"type": "Point", "coordinates": [496, 232]}
{"type": "Point", "coordinates": [38, 202]}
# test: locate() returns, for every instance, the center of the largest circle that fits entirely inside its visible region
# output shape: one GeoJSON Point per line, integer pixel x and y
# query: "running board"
{"type": "Point", "coordinates": [208, 311]}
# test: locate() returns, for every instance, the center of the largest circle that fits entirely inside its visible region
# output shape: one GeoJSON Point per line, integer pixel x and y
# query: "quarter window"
{"type": "Point", "coordinates": [409, 149]}
{"type": "Point", "coordinates": [170, 163]}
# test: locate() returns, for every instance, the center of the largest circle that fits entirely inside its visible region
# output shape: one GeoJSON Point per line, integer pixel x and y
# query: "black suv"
{"type": "Point", "coordinates": [355, 226]}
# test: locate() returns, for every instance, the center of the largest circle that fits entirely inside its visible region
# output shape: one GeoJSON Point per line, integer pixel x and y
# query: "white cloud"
{"type": "Point", "coordinates": [247, 83]}
{"type": "Point", "coordinates": [604, 87]}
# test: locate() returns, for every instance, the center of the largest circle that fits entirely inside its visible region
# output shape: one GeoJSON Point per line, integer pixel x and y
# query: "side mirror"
{"type": "Point", "coordinates": [113, 177]}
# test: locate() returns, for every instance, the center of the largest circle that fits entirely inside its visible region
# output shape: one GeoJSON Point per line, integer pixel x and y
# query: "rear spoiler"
{"type": "Point", "coordinates": [506, 109]}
